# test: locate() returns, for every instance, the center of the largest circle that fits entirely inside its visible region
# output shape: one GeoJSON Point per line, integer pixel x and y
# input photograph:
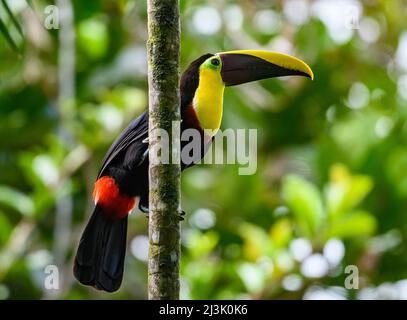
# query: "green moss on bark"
{"type": "Point", "coordinates": [164, 108]}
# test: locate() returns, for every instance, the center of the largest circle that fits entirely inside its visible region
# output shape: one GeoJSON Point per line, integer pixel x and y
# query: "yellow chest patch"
{"type": "Point", "coordinates": [208, 100]}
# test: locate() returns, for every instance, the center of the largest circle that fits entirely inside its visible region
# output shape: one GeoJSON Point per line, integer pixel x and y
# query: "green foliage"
{"type": "Point", "coordinates": [16, 200]}
{"type": "Point", "coordinates": [4, 27]}
{"type": "Point", "coordinates": [335, 216]}
{"type": "Point", "coordinates": [93, 37]}
{"type": "Point", "coordinates": [305, 202]}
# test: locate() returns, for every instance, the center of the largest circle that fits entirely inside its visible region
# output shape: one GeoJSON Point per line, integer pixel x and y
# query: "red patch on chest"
{"type": "Point", "coordinates": [107, 194]}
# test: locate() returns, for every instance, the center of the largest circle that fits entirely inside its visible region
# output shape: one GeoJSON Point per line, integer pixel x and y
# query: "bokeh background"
{"type": "Point", "coordinates": [331, 185]}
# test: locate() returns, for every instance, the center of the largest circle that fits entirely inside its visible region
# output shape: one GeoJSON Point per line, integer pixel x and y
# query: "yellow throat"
{"type": "Point", "coordinates": [208, 99]}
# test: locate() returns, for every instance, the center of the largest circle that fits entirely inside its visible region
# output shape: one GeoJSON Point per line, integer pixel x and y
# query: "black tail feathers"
{"type": "Point", "coordinates": [99, 261]}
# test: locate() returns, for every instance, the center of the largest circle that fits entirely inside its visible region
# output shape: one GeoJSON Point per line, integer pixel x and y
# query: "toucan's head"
{"type": "Point", "coordinates": [202, 84]}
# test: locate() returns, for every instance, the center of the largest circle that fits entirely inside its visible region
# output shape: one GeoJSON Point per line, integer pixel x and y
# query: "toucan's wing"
{"type": "Point", "coordinates": [204, 149]}
{"type": "Point", "coordinates": [137, 130]}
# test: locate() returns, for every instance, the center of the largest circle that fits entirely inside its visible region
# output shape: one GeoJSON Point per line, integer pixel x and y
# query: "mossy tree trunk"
{"type": "Point", "coordinates": [164, 107]}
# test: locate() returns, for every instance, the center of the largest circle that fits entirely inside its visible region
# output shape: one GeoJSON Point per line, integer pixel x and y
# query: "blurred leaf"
{"type": "Point", "coordinates": [281, 232]}
{"type": "Point", "coordinates": [30, 3]}
{"type": "Point", "coordinates": [5, 228]}
{"type": "Point", "coordinates": [127, 98]}
{"type": "Point", "coordinates": [353, 224]}
{"type": "Point", "coordinates": [256, 241]}
{"type": "Point", "coordinates": [16, 200]}
{"type": "Point", "coordinates": [203, 243]}
{"type": "Point", "coordinates": [356, 131]}
{"type": "Point", "coordinates": [93, 37]}
{"type": "Point", "coordinates": [345, 191]}
{"type": "Point", "coordinates": [396, 169]}
{"type": "Point", "coordinates": [8, 37]}
{"type": "Point", "coordinates": [12, 18]}
{"type": "Point", "coordinates": [201, 274]}
{"type": "Point", "coordinates": [252, 276]}
{"type": "Point", "coordinates": [304, 200]}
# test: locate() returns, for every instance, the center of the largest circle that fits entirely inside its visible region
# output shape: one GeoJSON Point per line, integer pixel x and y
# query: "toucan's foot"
{"type": "Point", "coordinates": [181, 215]}
{"type": "Point", "coordinates": [143, 209]}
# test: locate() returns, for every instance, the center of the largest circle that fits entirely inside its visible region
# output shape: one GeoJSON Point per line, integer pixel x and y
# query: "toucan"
{"type": "Point", "coordinates": [123, 177]}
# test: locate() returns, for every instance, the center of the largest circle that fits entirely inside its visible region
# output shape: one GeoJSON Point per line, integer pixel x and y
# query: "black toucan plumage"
{"type": "Point", "coordinates": [123, 176]}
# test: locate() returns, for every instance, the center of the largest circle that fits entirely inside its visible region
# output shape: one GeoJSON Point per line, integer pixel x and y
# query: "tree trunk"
{"type": "Point", "coordinates": [164, 108]}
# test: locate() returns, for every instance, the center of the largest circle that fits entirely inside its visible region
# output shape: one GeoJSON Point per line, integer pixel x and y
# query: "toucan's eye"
{"type": "Point", "coordinates": [215, 62]}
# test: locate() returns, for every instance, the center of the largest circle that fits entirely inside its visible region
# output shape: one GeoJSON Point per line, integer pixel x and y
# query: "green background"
{"type": "Point", "coordinates": [331, 184]}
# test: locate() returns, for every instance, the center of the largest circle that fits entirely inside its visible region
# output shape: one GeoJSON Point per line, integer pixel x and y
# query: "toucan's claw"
{"type": "Point", "coordinates": [143, 208]}
{"type": "Point", "coordinates": [181, 215]}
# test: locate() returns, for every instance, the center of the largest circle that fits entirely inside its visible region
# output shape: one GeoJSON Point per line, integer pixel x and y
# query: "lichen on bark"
{"type": "Point", "coordinates": [164, 107]}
